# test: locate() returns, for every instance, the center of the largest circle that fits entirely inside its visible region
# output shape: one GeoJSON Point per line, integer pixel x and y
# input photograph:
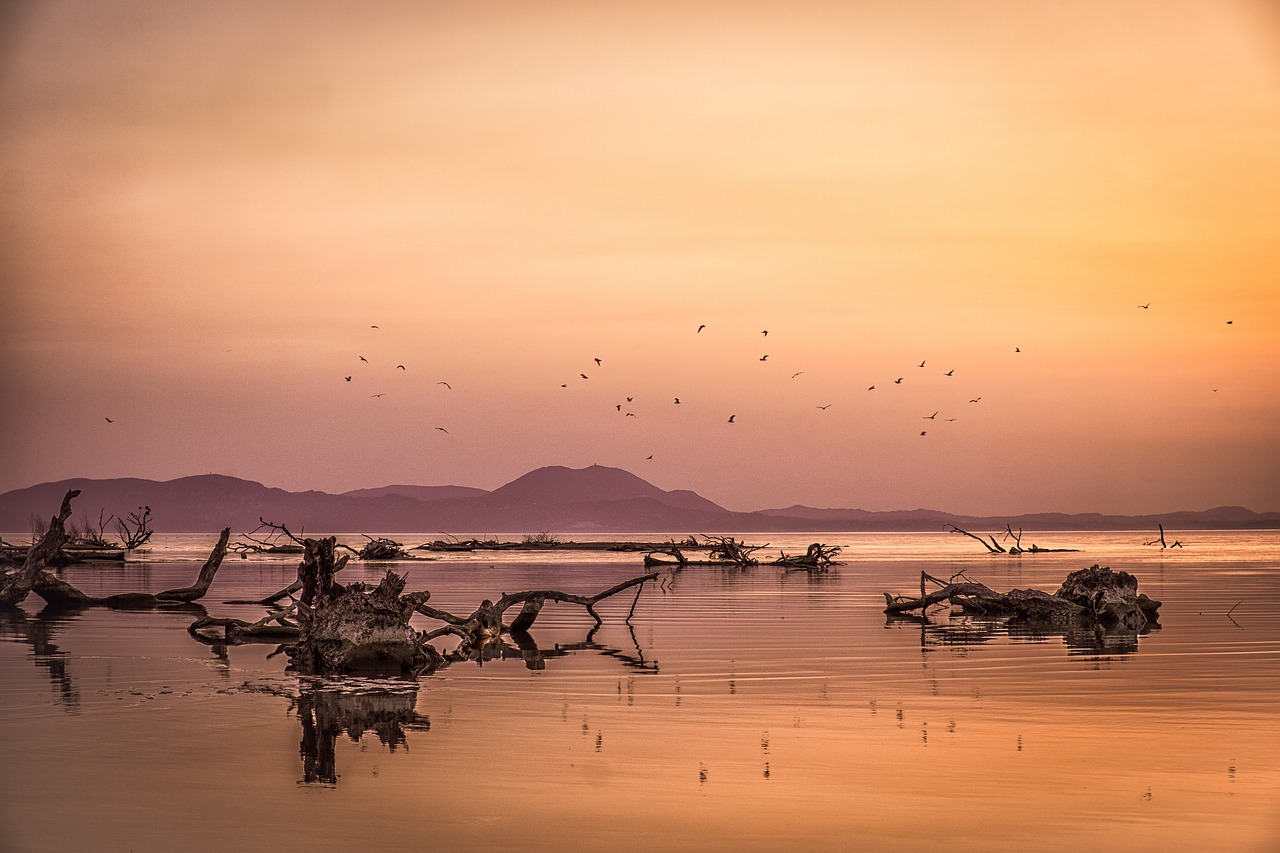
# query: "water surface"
{"type": "Point", "coordinates": [739, 710]}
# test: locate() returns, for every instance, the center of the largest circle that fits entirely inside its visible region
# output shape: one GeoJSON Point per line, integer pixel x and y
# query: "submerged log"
{"type": "Point", "coordinates": [350, 629]}
{"type": "Point", "coordinates": [1092, 596]}
{"type": "Point", "coordinates": [817, 557]}
{"type": "Point", "coordinates": [16, 584]}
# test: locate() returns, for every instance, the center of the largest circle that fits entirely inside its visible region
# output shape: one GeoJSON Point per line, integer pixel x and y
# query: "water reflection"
{"type": "Point", "coordinates": [523, 646]}
{"type": "Point", "coordinates": [328, 708]}
{"type": "Point", "coordinates": [38, 634]}
{"type": "Point", "coordinates": [963, 631]}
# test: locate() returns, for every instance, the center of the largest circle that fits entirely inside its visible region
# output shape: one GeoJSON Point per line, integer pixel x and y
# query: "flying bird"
{"type": "Point", "coordinates": [951, 372]}
{"type": "Point", "coordinates": [629, 399]}
{"type": "Point", "coordinates": [765, 333]}
{"type": "Point", "coordinates": [373, 327]}
{"type": "Point", "coordinates": [923, 432]}
{"type": "Point", "coordinates": [824, 408]}
{"type": "Point", "coordinates": [677, 401]}
{"type": "Point", "coordinates": [583, 375]}
{"type": "Point", "coordinates": [1229, 322]}
{"type": "Point", "coordinates": [348, 378]}
{"type": "Point", "coordinates": [731, 417]}
{"type": "Point", "coordinates": [111, 421]}
{"type": "Point", "coordinates": [948, 420]}
{"type": "Point", "coordinates": [898, 381]}
{"type": "Point", "coordinates": [442, 429]}
{"type": "Point", "coordinates": [650, 456]}
{"type": "Point", "coordinates": [447, 385]}
{"type": "Point", "coordinates": [700, 328]}
{"type": "Point", "coordinates": [930, 417]}
{"type": "Point", "coordinates": [619, 407]}
{"type": "Point", "coordinates": [1017, 349]}
{"type": "Point", "coordinates": [400, 367]}
{"type": "Point", "coordinates": [597, 361]}
{"type": "Point", "coordinates": [630, 415]}
{"type": "Point", "coordinates": [764, 358]}
{"type": "Point", "coordinates": [921, 364]}
{"type": "Point", "coordinates": [365, 360]}
{"type": "Point", "coordinates": [794, 375]}
{"type": "Point", "coordinates": [975, 399]}
{"type": "Point", "coordinates": [872, 388]}
{"type": "Point", "coordinates": [1148, 305]}
{"type": "Point", "coordinates": [377, 395]}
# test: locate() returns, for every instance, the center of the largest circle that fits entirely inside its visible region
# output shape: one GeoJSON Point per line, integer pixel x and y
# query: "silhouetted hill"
{"type": "Point", "coordinates": [555, 499]}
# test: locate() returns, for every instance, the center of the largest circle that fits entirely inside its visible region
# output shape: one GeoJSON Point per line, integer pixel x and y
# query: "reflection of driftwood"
{"type": "Point", "coordinates": [818, 557]}
{"type": "Point", "coordinates": [59, 593]}
{"type": "Point", "coordinates": [1090, 596]}
{"type": "Point", "coordinates": [38, 634]}
{"type": "Point", "coordinates": [995, 547]}
{"type": "Point", "coordinates": [16, 584]}
{"type": "Point", "coordinates": [328, 711]}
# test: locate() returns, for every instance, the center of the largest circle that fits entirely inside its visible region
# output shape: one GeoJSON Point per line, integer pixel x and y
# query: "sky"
{"type": "Point", "coordinates": [210, 212]}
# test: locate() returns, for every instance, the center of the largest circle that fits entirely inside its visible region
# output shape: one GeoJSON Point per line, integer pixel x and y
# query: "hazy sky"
{"type": "Point", "coordinates": [205, 207]}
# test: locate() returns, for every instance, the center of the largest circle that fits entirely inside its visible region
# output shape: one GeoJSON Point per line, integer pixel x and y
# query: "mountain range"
{"type": "Point", "coordinates": [559, 500]}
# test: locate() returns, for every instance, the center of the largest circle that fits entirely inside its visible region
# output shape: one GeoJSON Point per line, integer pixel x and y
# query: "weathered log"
{"type": "Point", "coordinates": [346, 629]}
{"type": "Point", "coordinates": [16, 584]}
{"type": "Point", "coordinates": [816, 557]}
{"type": "Point", "coordinates": [1016, 548]}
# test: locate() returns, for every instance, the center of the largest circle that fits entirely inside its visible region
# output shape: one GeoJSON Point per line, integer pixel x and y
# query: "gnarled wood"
{"type": "Point", "coordinates": [16, 584]}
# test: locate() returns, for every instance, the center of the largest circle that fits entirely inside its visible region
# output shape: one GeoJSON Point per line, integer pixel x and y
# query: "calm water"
{"type": "Point", "coordinates": [743, 710]}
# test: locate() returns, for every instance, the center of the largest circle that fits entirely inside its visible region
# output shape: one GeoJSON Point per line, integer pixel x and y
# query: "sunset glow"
{"type": "Point", "coordinates": [207, 209]}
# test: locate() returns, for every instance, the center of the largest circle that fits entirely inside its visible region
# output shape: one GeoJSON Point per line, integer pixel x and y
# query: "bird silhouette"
{"type": "Point", "coordinates": [597, 361]}
{"type": "Point", "coordinates": [445, 384]}
{"type": "Point", "coordinates": [1148, 305]}
{"type": "Point", "coordinates": [872, 388]}
{"type": "Point", "coordinates": [1017, 349]}
{"type": "Point", "coordinates": [975, 399]}
{"type": "Point", "coordinates": [443, 430]}
{"type": "Point", "coordinates": [365, 360]}
{"type": "Point", "coordinates": [583, 375]}
{"type": "Point", "coordinates": [764, 358]}
{"type": "Point", "coordinates": [629, 399]}
{"type": "Point", "coordinates": [348, 378]}
{"type": "Point", "coordinates": [1229, 322]}
{"type": "Point", "coordinates": [948, 420]}
{"type": "Point", "coordinates": [731, 417]}
{"type": "Point", "coordinates": [921, 364]}
{"type": "Point", "coordinates": [797, 373]}
{"type": "Point", "coordinates": [923, 432]}
{"type": "Point", "coordinates": [619, 407]}
{"type": "Point", "coordinates": [677, 401]}
{"type": "Point", "coordinates": [650, 456]}
{"type": "Point", "coordinates": [703, 326]}
{"type": "Point", "coordinates": [931, 417]}
{"type": "Point", "coordinates": [824, 408]}
{"type": "Point", "coordinates": [400, 367]}
{"type": "Point", "coordinates": [898, 381]}
{"type": "Point", "coordinates": [765, 333]}
{"type": "Point", "coordinates": [630, 415]}
{"type": "Point", "coordinates": [377, 395]}
{"type": "Point", "coordinates": [373, 327]}
{"type": "Point", "coordinates": [950, 372]}
{"type": "Point", "coordinates": [111, 421]}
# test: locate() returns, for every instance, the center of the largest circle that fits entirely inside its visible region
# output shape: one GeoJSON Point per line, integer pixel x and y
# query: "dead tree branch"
{"type": "Point", "coordinates": [16, 584]}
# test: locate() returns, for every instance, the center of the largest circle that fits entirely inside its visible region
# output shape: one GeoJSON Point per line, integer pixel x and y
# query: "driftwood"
{"type": "Point", "coordinates": [1163, 544]}
{"type": "Point", "coordinates": [818, 557]}
{"type": "Point", "coordinates": [723, 551]}
{"type": "Point", "coordinates": [59, 593]}
{"type": "Point", "coordinates": [1095, 595]}
{"type": "Point", "coordinates": [1016, 548]}
{"type": "Point", "coordinates": [16, 583]}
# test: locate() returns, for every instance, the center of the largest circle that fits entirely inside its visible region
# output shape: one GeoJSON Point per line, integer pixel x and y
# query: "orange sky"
{"type": "Point", "coordinates": [205, 208]}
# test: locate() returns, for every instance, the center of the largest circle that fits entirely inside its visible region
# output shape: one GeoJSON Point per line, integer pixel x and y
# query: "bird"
{"type": "Point", "coordinates": [564, 386]}
{"type": "Point", "coordinates": [764, 357]}
{"type": "Point", "coordinates": [630, 415]}
{"type": "Point", "coordinates": [931, 417]}
{"type": "Point", "coordinates": [924, 432]}
{"type": "Point", "coordinates": [797, 373]}
{"type": "Point", "coordinates": [445, 384]}
{"type": "Point", "coordinates": [373, 327]}
{"type": "Point", "coordinates": [1229, 322]}
{"type": "Point", "coordinates": [731, 417]}
{"type": "Point", "coordinates": [629, 399]}
{"type": "Point", "coordinates": [1148, 305]}
{"type": "Point", "coordinates": [442, 429]}
{"type": "Point", "coordinates": [1017, 349]}
{"type": "Point", "coordinates": [619, 407]}
{"type": "Point", "coordinates": [650, 456]}
{"type": "Point", "coordinates": [921, 364]}
{"type": "Point", "coordinates": [898, 381]}
{"type": "Point", "coordinates": [975, 399]}
{"type": "Point", "coordinates": [597, 361]}
{"type": "Point", "coordinates": [400, 367]}
{"type": "Point", "coordinates": [365, 360]}
{"type": "Point", "coordinates": [348, 378]}
{"type": "Point", "coordinates": [765, 333]}
{"type": "Point", "coordinates": [951, 372]}
{"type": "Point", "coordinates": [703, 326]}
{"type": "Point", "coordinates": [111, 421]}
{"type": "Point", "coordinates": [583, 375]}
{"type": "Point", "coordinates": [824, 408]}
{"type": "Point", "coordinates": [677, 401]}
{"type": "Point", "coordinates": [377, 395]}
{"type": "Point", "coordinates": [948, 420]}
{"type": "Point", "coordinates": [872, 388]}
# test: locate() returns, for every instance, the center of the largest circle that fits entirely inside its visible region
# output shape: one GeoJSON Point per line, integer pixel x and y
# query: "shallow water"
{"type": "Point", "coordinates": [740, 710]}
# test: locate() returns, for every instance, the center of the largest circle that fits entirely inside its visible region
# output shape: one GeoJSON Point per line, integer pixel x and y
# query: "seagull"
{"type": "Point", "coordinates": [630, 415]}
{"type": "Point", "coordinates": [923, 432]}
{"type": "Point", "coordinates": [373, 327]}
{"type": "Point", "coordinates": [1229, 322]}
{"type": "Point", "coordinates": [619, 407]}
{"type": "Point", "coordinates": [930, 417]}
{"type": "Point", "coordinates": [597, 361]}
{"type": "Point", "coordinates": [921, 364]}
{"type": "Point", "coordinates": [650, 456]}
{"type": "Point", "coordinates": [447, 385]}
{"type": "Point", "coordinates": [975, 399]}
{"type": "Point", "coordinates": [1017, 349]}
{"type": "Point", "coordinates": [348, 378]}
{"type": "Point", "coordinates": [443, 430]}
{"type": "Point", "coordinates": [765, 333]}
{"type": "Point", "coordinates": [677, 401]}
{"type": "Point", "coordinates": [377, 395]}
{"type": "Point", "coordinates": [794, 375]}
{"type": "Point", "coordinates": [898, 381]}
{"type": "Point", "coordinates": [111, 421]}
{"type": "Point", "coordinates": [824, 408]}
{"type": "Point", "coordinates": [629, 399]}
{"type": "Point", "coordinates": [951, 372]}
{"type": "Point", "coordinates": [731, 417]}
{"type": "Point", "coordinates": [1148, 305]}
{"type": "Point", "coordinates": [400, 367]}
{"type": "Point", "coordinates": [764, 358]}
{"type": "Point", "coordinates": [700, 328]}
{"type": "Point", "coordinates": [583, 375]}
{"type": "Point", "coordinates": [564, 386]}
{"type": "Point", "coordinates": [365, 360]}
{"type": "Point", "coordinates": [948, 420]}
{"type": "Point", "coordinates": [872, 388]}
